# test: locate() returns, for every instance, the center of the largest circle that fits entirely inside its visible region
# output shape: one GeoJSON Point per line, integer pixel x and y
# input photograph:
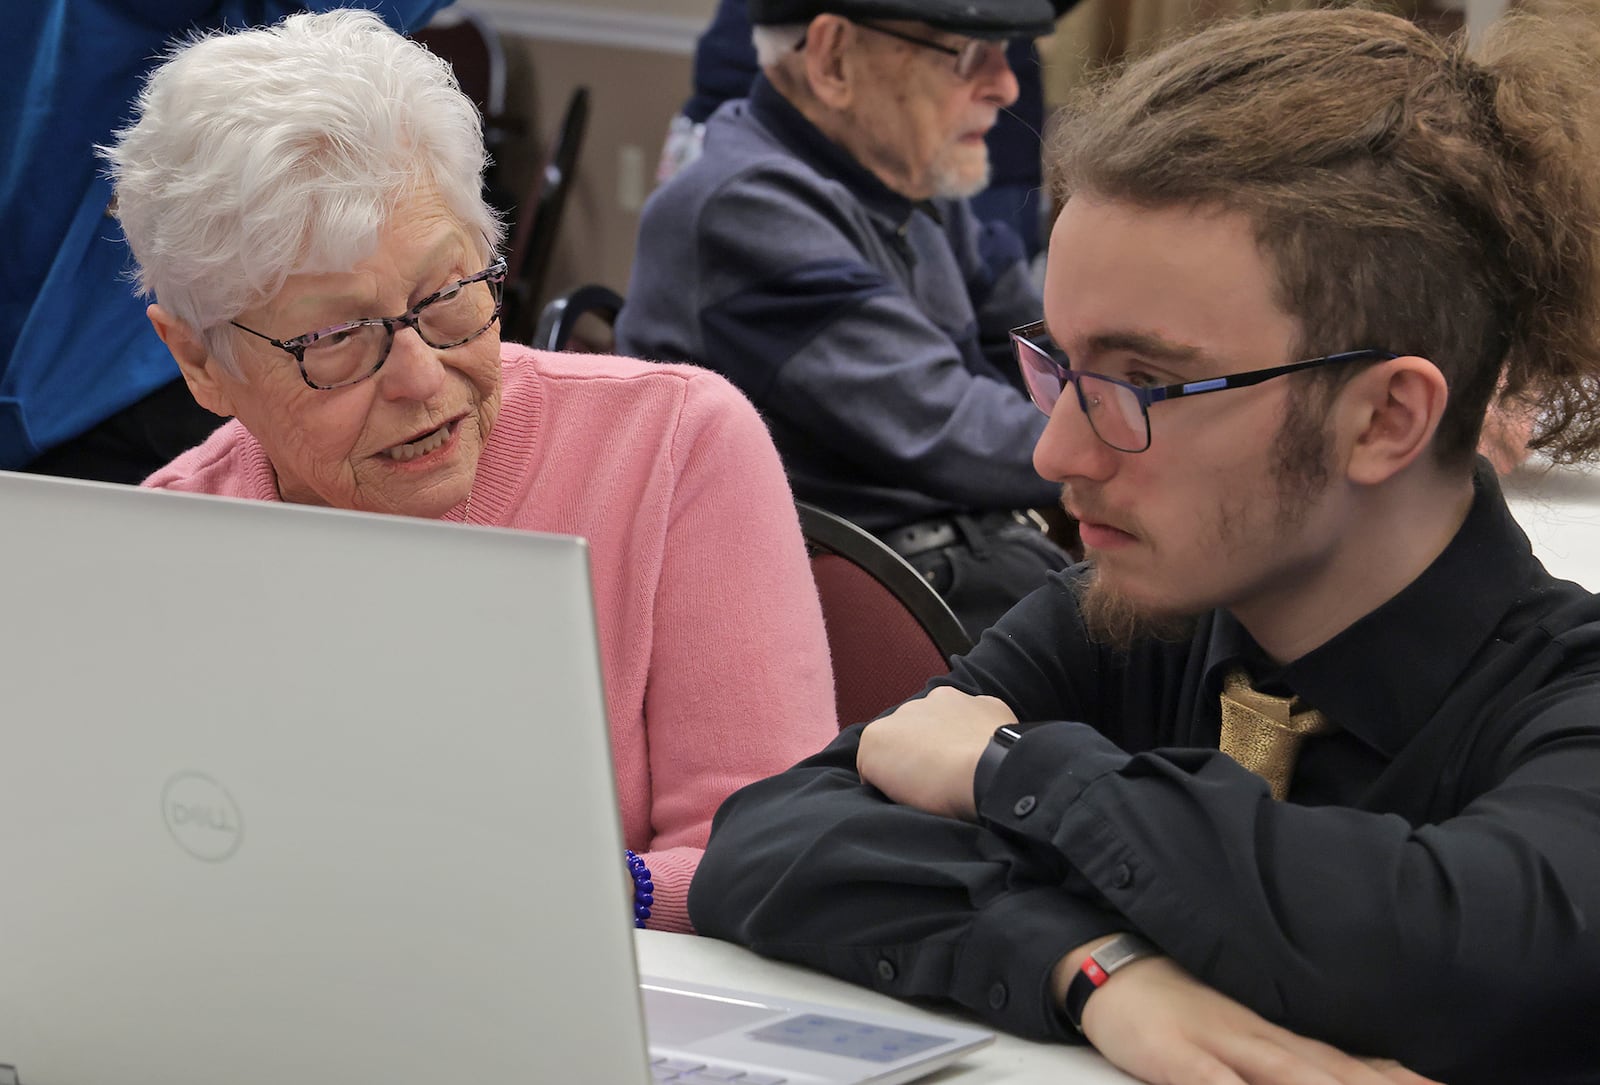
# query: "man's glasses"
{"type": "Point", "coordinates": [971, 57]}
{"type": "Point", "coordinates": [351, 352]}
{"type": "Point", "coordinates": [1119, 412]}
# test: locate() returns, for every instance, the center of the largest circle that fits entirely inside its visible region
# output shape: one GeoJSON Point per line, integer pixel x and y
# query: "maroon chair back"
{"type": "Point", "coordinates": [888, 631]}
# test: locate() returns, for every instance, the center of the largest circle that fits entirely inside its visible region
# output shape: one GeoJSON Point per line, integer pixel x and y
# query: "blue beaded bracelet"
{"type": "Point", "coordinates": [644, 890]}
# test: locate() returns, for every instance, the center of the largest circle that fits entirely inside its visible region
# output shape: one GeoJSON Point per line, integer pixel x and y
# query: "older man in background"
{"type": "Point", "coordinates": [821, 253]}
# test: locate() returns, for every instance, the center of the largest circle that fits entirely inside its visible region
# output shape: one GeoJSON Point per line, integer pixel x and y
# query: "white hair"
{"type": "Point", "coordinates": [774, 43]}
{"type": "Point", "coordinates": [262, 153]}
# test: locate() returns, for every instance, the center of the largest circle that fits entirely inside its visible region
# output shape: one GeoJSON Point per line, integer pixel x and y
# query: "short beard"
{"type": "Point", "coordinates": [1299, 472]}
{"type": "Point", "coordinates": [949, 184]}
{"type": "Point", "coordinates": [1115, 621]}
{"type": "Point", "coordinates": [1300, 453]}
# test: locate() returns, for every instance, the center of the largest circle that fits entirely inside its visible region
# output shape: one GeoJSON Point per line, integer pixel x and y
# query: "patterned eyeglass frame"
{"type": "Point", "coordinates": [494, 275]}
{"type": "Point", "coordinates": [1025, 337]}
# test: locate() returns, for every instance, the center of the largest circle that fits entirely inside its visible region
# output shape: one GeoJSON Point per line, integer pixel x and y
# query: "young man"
{"type": "Point", "coordinates": [822, 255]}
{"type": "Point", "coordinates": [1308, 767]}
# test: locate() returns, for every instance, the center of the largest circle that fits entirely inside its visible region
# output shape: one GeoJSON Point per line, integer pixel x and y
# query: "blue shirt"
{"type": "Point", "coordinates": [76, 345]}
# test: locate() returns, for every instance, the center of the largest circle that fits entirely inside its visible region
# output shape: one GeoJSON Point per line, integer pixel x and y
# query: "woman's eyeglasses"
{"type": "Point", "coordinates": [349, 353]}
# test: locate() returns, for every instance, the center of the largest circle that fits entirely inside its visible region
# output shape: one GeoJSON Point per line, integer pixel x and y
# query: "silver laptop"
{"type": "Point", "coordinates": [293, 796]}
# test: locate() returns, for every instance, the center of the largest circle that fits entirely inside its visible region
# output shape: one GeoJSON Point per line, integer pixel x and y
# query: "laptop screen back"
{"type": "Point", "coordinates": [294, 795]}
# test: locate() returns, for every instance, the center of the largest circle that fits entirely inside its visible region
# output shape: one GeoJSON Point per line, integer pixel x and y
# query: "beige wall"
{"type": "Point", "coordinates": [636, 86]}
{"type": "Point", "coordinates": [633, 96]}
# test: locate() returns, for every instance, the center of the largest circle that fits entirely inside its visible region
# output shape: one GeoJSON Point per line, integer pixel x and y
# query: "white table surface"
{"type": "Point", "coordinates": [1008, 1059]}
{"type": "Point", "coordinates": [1559, 508]}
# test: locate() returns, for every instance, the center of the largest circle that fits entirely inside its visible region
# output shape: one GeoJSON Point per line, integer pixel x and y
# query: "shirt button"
{"type": "Point", "coordinates": [998, 996]}
{"type": "Point", "coordinates": [886, 970]}
{"type": "Point", "coordinates": [1025, 806]}
{"type": "Point", "coordinates": [1122, 877]}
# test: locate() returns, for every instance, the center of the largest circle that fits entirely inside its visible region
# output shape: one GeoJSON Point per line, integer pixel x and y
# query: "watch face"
{"type": "Point", "coordinates": [1008, 733]}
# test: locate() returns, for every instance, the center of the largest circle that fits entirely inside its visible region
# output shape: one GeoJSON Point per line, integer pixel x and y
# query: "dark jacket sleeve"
{"type": "Point", "coordinates": [813, 866]}
{"type": "Point", "coordinates": [824, 339]}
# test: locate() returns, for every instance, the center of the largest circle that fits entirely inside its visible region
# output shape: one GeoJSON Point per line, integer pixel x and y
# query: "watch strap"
{"type": "Point", "coordinates": [1005, 736]}
{"type": "Point", "coordinates": [1098, 966]}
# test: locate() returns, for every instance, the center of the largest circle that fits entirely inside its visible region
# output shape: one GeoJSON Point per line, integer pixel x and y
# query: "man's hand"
{"type": "Point", "coordinates": [1160, 1024]}
{"type": "Point", "coordinates": [924, 753]}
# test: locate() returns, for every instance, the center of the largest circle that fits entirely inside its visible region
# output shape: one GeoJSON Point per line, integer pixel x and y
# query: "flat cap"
{"type": "Point", "coordinates": [977, 18]}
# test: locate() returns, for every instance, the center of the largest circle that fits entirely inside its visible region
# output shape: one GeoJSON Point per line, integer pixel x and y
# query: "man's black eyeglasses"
{"type": "Point", "coordinates": [971, 56]}
{"type": "Point", "coordinates": [1119, 412]}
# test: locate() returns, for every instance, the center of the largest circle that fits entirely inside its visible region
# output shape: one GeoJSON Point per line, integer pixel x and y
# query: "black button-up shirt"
{"type": "Point", "coordinates": [1425, 893]}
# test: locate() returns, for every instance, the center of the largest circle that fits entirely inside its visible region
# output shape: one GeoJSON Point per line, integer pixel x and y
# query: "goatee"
{"type": "Point", "coordinates": [1112, 619]}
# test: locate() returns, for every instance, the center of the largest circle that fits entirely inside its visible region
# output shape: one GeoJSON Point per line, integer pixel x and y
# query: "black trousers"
{"type": "Point", "coordinates": [131, 444]}
{"type": "Point", "coordinates": [992, 565]}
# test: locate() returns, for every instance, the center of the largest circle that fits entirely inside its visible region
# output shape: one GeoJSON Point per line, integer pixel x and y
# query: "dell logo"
{"type": "Point", "coordinates": [201, 816]}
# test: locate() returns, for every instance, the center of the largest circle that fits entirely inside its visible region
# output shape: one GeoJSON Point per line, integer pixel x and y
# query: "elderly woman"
{"type": "Point", "coordinates": [304, 204]}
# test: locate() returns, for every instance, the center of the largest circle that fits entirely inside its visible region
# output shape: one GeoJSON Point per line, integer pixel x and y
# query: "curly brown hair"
{"type": "Point", "coordinates": [1412, 197]}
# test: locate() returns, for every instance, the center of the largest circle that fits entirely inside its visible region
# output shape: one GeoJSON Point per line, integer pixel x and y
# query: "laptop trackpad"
{"type": "Point", "coordinates": [679, 1018]}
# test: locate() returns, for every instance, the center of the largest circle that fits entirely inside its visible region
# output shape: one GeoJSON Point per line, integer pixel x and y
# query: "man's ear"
{"type": "Point", "coordinates": [827, 47]}
{"type": "Point", "coordinates": [201, 372]}
{"type": "Point", "coordinates": [1391, 412]}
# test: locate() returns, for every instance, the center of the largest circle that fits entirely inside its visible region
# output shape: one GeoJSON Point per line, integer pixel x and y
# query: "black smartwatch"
{"type": "Point", "coordinates": [1005, 736]}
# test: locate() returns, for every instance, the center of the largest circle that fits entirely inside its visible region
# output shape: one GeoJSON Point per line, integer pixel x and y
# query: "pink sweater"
{"type": "Point", "coordinates": [711, 638]}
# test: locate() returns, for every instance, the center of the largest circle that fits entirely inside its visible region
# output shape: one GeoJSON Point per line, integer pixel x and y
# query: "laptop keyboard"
{"type": "Point", "coordinates": [700, 1072]}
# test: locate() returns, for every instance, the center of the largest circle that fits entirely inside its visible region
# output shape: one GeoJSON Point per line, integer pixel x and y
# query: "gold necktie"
{"type": "Point", "coordinates": [1262, 732]}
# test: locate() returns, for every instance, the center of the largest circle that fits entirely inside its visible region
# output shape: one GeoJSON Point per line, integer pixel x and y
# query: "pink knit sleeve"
{"type": "Point", "coordinates": [740, 683]}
